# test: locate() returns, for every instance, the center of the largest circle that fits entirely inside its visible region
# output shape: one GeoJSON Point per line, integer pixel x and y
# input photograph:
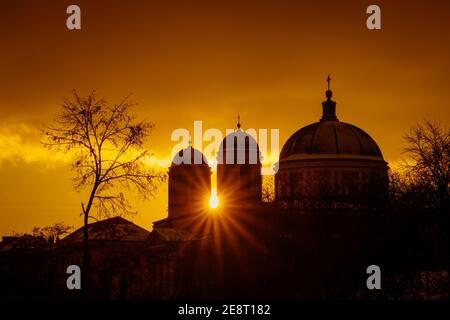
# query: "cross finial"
{"type": "Point", "coordinates": [328, 80]}
{"type": "Point", "coordinates": [239, 122]}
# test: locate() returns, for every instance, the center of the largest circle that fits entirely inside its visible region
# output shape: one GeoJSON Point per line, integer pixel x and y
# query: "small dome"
{"type": "Point", "coordinates": [189, 156]}
{"type": "Point", "coordinates": [330, 137]}
{"type": "Point", "coordinates": [239, 148]}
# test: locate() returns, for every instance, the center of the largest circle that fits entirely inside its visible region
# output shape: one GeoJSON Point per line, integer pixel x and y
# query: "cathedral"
{"type": "Point", "coordinates": [328, 164]}
{"type": "Point", "coordinates": [328, 222]}
{"type": "Point", "coordinates": [329, 177]}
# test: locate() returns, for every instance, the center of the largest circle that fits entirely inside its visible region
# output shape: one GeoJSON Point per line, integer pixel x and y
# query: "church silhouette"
{"type": "Point", "coordinates": [328, 164]}
{"type": "Point", "coordinates": [328, 222]}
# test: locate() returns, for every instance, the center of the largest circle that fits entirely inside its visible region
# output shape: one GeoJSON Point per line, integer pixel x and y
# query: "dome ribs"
{"type": "Point", "coordinates": [311, 146]}
{"type": "Point", "coordinates": [358, 139]}
{"type": "Point", "coordinates": [336, 138]}
{"type": "Point", "coordinates": [330, 138]}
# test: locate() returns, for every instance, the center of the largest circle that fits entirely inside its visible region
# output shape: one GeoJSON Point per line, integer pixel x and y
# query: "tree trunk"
{"type": "Point", "coordinates": [85, 282]}
{"type": "Point", "coordinates": [86, 255]}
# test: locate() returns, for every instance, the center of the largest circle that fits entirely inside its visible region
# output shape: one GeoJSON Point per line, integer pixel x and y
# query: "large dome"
{"type": "Point", "coordinates": [330, 137]}
{"type": "Point", "coordinates": [331, 165]}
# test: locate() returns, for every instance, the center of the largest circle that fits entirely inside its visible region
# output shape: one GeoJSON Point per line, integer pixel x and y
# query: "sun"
{"type": "Point", "coordinates": [213, 200]}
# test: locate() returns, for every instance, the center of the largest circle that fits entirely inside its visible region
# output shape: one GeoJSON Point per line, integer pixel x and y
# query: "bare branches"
{"type": "Point", "coordinates": [113, 203]}
{"type": "Point", "coordinates": [426, 176]}
{"type": "Point", "coordinates": [54, 231]}
{"type": "Point", "coordinates": [108, 145]}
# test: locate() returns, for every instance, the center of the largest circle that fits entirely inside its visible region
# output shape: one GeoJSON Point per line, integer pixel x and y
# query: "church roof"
{"type": "Point", "coordinates": [189, 156]}
{"type": "Point", "coordinates": [238, 147]}
{"type": "Point", "coordinates": [25, 241]}
{"type": "Point", "coordinates": [330, 137]}
{"type": "Point", "coordinates": [113, 229]}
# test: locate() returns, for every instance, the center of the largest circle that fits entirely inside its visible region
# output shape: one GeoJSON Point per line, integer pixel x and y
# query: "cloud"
{"type": "Point", "coordinates": [20, 142]}
{"type": "Point", "coordinates": [153, 161]}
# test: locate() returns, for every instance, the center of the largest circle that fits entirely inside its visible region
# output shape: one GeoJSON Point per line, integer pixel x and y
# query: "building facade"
{"type": "Point", "coordinates": [331, 164]}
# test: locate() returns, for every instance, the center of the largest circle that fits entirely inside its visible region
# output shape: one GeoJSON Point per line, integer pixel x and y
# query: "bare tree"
{"type": "Point", "coordinates": [411, 191]}
{"type": "Point", "coordinates": [428, 174]}
{"type": "Point", "coordinates": [52, 231]}
{"type": "Point", "coordinates": [428, 148]}
{"type": "Point", "coordinates": [108, 145]}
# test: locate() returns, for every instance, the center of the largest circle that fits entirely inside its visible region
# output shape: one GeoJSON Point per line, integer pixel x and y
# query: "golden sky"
{"type": "Point", "coordinates": [208, 60]}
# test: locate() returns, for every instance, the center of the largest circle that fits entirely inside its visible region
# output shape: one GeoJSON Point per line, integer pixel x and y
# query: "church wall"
{"type": "Point", "coordinates": [331, 183]}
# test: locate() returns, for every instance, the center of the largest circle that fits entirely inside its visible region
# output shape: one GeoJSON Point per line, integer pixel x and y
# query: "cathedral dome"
{"type": "Point", "coordinates": [189, 156]}
{"type": "Point", "coordinates": [330, 137]}
{"type": "Point", "coordinates": [331, 164]}
{"type": "Point", "coordinates": [239, 169]}
{"type": "Point", "coordinates": [239, 147]}
{"type": "Point", "coordinates": [189, 184]}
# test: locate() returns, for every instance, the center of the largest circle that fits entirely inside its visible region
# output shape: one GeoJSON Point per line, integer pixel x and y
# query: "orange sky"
{"type": "Point", "coordinates": [208, 60]}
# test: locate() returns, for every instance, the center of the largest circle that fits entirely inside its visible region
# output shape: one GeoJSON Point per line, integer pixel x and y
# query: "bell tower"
{"type": "Point", "coordinates": [239, 169]}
